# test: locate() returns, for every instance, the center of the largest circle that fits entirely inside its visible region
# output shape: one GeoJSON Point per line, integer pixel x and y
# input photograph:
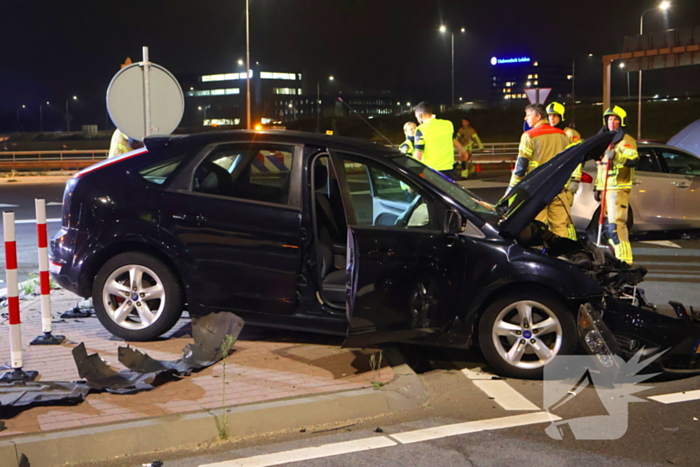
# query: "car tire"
{"type": "Point", "coordinates": [137, 297]}
{"type": "Point", "coordinates": [521, 350]}
{"type": "Point", "coordinates": [592, 230]}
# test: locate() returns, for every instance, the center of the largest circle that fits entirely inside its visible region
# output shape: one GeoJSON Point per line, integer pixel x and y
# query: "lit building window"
{"type": "Point", "coordinates": [537, 76]}
{"type": "Point", "coordinates": [536, 64]}
{"type": "Point", "coordinates": [276, 75]}
{"type": "Point", "coordinates": [291, 91]}
{"type": "Point", "coordinates": [224, 77]}
{"type": "Point", "coordinates": [222, 121]}
{"type": "Point", "coordinates": [214, 92]}
{"type": "Point", "coordinates": [569, 77]}
{"type": "Point", "coordinates": [535, 83]}
{"type": "Point", "coordinates": [529, 76]}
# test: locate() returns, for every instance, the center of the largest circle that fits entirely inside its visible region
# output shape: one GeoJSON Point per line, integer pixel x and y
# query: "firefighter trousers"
{"type": "Point", "coordinates": [557, 215]}
{"type": "Point", "coordinates": [616, 206]}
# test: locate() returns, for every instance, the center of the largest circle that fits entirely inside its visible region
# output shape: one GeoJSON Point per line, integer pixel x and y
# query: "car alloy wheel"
{"type": "Point", "coordinates": [136, 296]}
{"type": "Point", "coordinates": [527, 334]}
{"type": "Point", "coordinates": [522, 332]}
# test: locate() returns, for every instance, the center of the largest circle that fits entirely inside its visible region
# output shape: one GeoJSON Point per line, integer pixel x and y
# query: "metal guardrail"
{"type": "Point", "coordinates": [496, 153]}
{"type": "Point", "coordinates": [50, 160]}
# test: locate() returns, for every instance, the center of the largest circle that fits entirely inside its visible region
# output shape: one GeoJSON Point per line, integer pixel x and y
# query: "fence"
{"type": "Point", "coordinates": [50, 160]}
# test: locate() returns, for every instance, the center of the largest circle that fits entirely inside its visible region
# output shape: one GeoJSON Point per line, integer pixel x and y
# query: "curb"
{"type": "Point", "coordinates": [405, 392]}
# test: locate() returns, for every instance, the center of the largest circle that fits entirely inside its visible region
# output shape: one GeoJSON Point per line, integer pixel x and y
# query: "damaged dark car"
{"type": "Point", "coordinates": [326, 234]}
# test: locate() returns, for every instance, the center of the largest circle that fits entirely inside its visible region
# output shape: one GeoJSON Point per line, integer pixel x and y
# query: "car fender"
{"type": "Point", "coordinates": [126, 235]}
{"type": "Point", "coordinates": [525, 270]}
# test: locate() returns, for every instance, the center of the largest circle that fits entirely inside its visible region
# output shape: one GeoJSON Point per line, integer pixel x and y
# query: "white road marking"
{"type": "Point", "coordinates": [666, 243]}
{"type": "Point", "coordinates": [33, 221]}
{"type": "Point", "coordinates": [474, 427]}
{"type": "Point", "coordinates": [684, 396]}
{"type": "Point", "coordinates": [477, 373]}
{"type": "Point", "coordinates": [378, 442]}
{"type": "Point", "coordinates": [303, 454]}
{"type": "Point", "coordinates": [505, 396]}
{"type": "Point", "coordinates": [9, 205]}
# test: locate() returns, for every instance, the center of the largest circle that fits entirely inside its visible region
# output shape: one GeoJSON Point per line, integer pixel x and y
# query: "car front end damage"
{"type": "Point", "coordinates": [625, 323]}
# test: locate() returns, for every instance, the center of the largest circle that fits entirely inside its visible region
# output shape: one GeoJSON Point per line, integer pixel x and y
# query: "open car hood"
{"type": "Point", "coordinates": [543, 184]}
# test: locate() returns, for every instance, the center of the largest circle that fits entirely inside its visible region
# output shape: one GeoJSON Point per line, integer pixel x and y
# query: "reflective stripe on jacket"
{"type": "Point", "coordinates": [621, 173]}
{"type": "Point", "coordinates": [537, 146]}
{"type": "Point", "coordinates": [407, 147]}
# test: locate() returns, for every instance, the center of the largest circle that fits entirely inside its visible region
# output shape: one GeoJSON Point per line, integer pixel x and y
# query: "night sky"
{"type": "Point", "coordinates": [56, 49]}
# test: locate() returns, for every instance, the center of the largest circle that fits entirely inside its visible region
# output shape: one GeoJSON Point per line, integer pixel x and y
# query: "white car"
{"type": "Point", "coordinates": [665, 194]}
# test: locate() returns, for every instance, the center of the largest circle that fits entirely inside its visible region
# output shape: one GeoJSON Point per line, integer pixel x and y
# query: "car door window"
{"type": "Point", "coordinates": [680, 162]}
{"type": "Point", "coordinates": [648, 161]}
{"type": "Point", "coordinates": [381, 197]}
{"type": "Point", "coordinates": [256, 172]}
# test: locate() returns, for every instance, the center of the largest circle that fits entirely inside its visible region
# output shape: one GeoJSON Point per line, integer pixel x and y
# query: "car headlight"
{"type": "Point", "coordinates": [590, 328]}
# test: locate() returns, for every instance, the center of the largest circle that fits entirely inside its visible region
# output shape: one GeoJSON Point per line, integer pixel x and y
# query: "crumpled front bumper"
{"type": "Point", "coordinates": [633, 329]}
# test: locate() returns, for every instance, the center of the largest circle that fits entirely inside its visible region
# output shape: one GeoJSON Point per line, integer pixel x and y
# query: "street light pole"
{"type": "Point", "coordinates": [662, 6]}
{"type": "Point", "coordinates": [247, 64]}
{"type": "Point", "coordinates": [453, 69]}
{"type": "Point", "coordinates": [573, 93]}
{"type": "Point", "coordinates": [318, 106]}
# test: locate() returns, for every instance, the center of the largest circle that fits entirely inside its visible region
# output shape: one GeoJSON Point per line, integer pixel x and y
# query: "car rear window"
{"type": "Point", "coordinates": [159, 172]}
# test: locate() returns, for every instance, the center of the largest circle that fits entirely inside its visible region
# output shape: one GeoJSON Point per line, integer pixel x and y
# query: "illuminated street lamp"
{"type": "Point", "coordinates": [75, 98]}
{"type": "Point", "coordinates": [443, 29]}
{"type": "Point", "coordinates": [318, 103]}
{"type": "Point", "coordinates": [19, 127]}
{"type": "Point", "coordinates": [663, 6]}
{"type": "Point", "coordinates": [41, 116]}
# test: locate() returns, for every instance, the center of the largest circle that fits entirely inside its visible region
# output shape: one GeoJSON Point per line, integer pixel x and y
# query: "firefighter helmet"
{"type": "Point", "coordinates": [617, 111]}
{"type": "Point", "coordinates": [556, 108]}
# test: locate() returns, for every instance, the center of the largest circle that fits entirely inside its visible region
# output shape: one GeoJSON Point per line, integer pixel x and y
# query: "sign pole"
{"type": "Point", "coordinates": [146, 91]}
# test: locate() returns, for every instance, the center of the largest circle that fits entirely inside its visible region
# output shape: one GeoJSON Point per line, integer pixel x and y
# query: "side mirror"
{"type": "Point", "coordinates": [454, 222]}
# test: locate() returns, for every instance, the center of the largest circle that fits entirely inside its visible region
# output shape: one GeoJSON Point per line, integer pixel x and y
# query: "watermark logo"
{"type": "Point", "coordinates": [566, 376]}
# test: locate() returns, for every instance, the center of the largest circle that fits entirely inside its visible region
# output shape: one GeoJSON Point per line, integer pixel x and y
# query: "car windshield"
{"type": "Point", "coordinates": [463, 196]}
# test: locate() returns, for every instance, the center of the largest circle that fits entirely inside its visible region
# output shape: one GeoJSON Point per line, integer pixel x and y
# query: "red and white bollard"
{"type": "Point", "coordinates": [17, 374]}
{"type": "Point", "coordinates": [44, 281]}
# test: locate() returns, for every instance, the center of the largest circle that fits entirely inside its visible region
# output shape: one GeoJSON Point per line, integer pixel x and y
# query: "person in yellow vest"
{"type": "Point", "coordinates": [623, 158]}
{"type": "Point", "coordinates": [468, 138]}
{"type": "Point", "coordinates": [434, 141]}
{"type": "Point", "coordinates": [121, 143]}
{"type": "Point", "coordinates": [537, 146]}
{"type": "Point", "coordinates": [409, 129]}
{"type": "Point", "coordinates": [555, 115]}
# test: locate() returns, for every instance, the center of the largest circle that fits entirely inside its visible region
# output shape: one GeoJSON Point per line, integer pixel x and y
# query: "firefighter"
{"type": "Point", "coordinates": [434, 142]}
{"type": "Point", "coordinates": [468, 138]}
{"type": "Point", "coordinates": [623, 158]}
{"type": "Point", "coordinates": [409, 129]}
{"type": "Point", "coordinates": [537, 146]}
{"type": "Point", "coordinates": [555, 115]}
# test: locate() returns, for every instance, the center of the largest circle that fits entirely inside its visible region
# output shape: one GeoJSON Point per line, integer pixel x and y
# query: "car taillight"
{"type": "Point", "coordinates": [585, 178]}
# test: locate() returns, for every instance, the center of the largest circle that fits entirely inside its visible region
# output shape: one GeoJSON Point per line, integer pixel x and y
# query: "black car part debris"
{"type": "Point", "coordinates": [101, 376]}
{"type": "Point", "coordinates": [208, 332]}
{"type": "Point", "coordinates": [76, 312]}
{"type": "Point", "coordinates": [21, 393]}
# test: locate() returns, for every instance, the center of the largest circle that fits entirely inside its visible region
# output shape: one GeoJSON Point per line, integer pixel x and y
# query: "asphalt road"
{"type": "Point", "coordinates": [19, 197]}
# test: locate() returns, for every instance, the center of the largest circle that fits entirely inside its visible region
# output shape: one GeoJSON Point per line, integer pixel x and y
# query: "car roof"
{"type": "Point", "coordinates": [655, 144]}
{"type": "Point", "coordinates": [278, 136]}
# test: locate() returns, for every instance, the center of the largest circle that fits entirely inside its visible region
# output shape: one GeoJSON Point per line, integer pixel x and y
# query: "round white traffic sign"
{"type": "Point", "coordinates": [126, 101]}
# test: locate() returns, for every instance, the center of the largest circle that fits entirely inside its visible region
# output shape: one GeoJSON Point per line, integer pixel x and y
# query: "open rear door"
{"type": "Point", "coordinates": [401, 283]}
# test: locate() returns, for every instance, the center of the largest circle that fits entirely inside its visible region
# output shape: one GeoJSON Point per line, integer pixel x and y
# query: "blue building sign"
{"type": "Point", "coordinates": [504, 61]}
